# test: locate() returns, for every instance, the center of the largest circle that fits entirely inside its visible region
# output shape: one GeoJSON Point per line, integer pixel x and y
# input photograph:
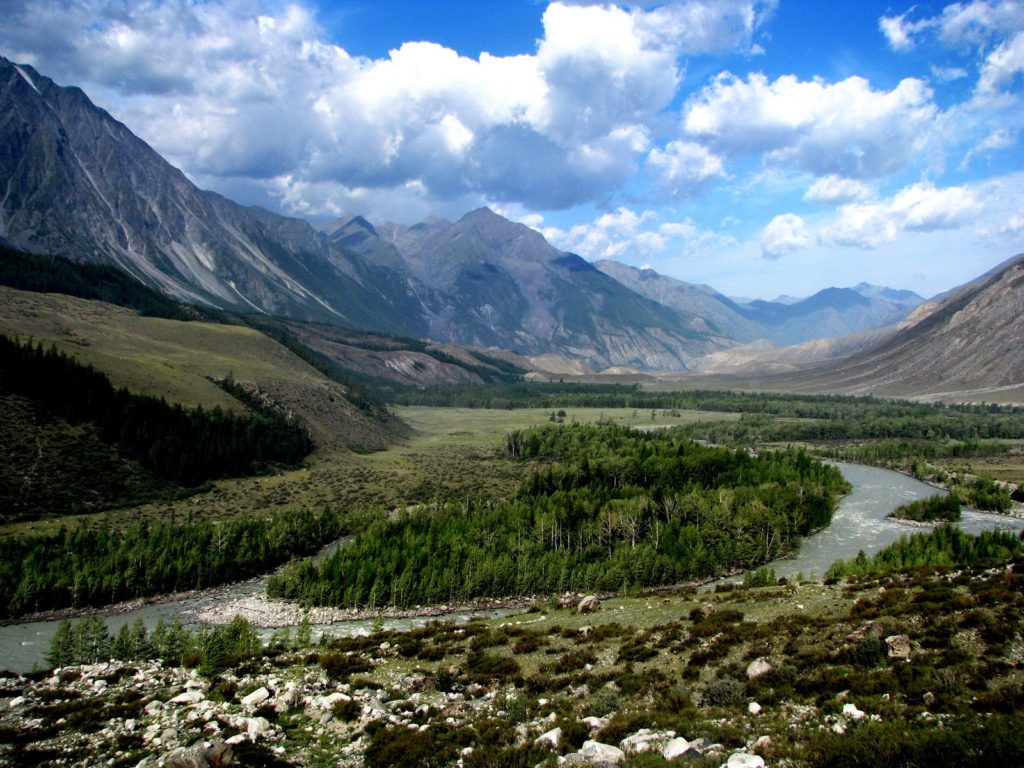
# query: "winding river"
{"type": "Point", "coordinates": [859, 524]}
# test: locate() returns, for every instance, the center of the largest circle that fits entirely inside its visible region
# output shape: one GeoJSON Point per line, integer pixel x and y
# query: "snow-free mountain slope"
{"type": "Point", "coordinates": [80, 184]}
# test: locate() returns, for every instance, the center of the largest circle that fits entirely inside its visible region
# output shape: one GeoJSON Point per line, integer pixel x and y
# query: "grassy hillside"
{"type": "Point", "coordinates": [179, 360]}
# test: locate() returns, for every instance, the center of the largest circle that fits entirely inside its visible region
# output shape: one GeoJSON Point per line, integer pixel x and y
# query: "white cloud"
{"type": "Point", "coordinates": [898, 32]}
{"type": "Point", "coordinates": [626, 235]}
{"type": "Point", "coordinates": [784, 234]}
{"type": "Point", "coordinates": [204, 82]}
{"type": "Point", "coordinates": [974, 24]}
{"type": "Point", "coordinates": [947, 74]}
{"type": "Point", "coordinates": [684, 167]}
{"type": "Point", "coordinates": [844, 128]}
{"type": "Point", "coordinates": [1000, 138]}
{"type": "Point", "coordinates": [1002, 65]}
{"type": "Point", "coordinates": [835, 189]}
{"type": "Point", "coordinates": [921, 207]}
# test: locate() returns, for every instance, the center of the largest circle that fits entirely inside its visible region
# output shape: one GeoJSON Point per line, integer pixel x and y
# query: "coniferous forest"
{"type": "Point", "coordinates": [619, 509]}
{"type": "Point", "coordinates": [89, 566]}
{"type": "Point", "coordinates": [185, 446]}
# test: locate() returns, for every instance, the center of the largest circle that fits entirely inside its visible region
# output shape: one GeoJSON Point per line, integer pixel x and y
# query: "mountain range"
{"type": "Point", "coordinates": [830, 313]}
{"type": "Point", "coordinates": [79, 184]}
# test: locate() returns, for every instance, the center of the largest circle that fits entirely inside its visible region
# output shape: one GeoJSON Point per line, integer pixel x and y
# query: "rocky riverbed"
{"type": "Point", "coordinates": [271, 613]}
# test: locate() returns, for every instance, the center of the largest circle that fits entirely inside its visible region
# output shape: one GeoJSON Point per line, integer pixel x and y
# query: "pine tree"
{"type": "Point", "coordinates": [62, 646]}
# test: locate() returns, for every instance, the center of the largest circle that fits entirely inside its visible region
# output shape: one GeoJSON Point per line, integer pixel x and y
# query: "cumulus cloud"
{"type": "Point", "coordinates": [921, 207]}
{"type": "Point", "coordinates": [624, 234]}
{"type": "Point", "coordinates": [684, 167]}
{"type": "Point", "coordinates": [784, 234]}
{"type": "Point", "coordinates": [845, 128]}
{"type": "Point", "coordinates": [835, 189]}
{"type": "Point", "coordinates": [565, 124]}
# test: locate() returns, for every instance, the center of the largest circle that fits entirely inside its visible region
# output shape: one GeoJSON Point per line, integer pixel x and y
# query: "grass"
{"type": "Point", "coordinates": [176, 360]}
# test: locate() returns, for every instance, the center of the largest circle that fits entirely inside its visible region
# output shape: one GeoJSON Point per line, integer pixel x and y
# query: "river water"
{"type": "Point", "coordinates": [859, 524]}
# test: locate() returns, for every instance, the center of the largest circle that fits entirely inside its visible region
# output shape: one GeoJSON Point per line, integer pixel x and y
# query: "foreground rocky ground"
{"type": "Point", "coordinates": [882, 672]}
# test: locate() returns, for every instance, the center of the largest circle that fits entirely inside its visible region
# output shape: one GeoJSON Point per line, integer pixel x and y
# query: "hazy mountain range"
{"type": "Point", "coordinates": [81, 185]}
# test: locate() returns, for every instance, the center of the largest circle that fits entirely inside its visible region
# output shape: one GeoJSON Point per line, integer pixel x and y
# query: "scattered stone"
{"type": "Point", "coordinates": [588, 604]}
{"type": "Point", "coordinates": [645, 740]}
{"type": "Point", "coordinates": [552, 738]}
{"type": "Point", "coordinates": [754, 708]}
{"type": "Point", "coordinates": [851, 711]}
{"type": "Point", "coordinates": [762, 743]}
{"type": "Point", "coordinates": [188, 697]}
{"type": "Point", "coordinates": [17, 701]}
{"type": "Point", "coordinates": [677, 747]}
{"type": "Point", "coordinates": [255, 698]}
{"type": "Point", "coordinates": [758, 667]}
{"type": "Point", "coordinates": [256, 727]}
{"type": "Point", "coordinates": [898, 646]}
{"type": "Point", "coordinates": [601, 754]}
{"type": "Point", "coordinates": [744, 760]}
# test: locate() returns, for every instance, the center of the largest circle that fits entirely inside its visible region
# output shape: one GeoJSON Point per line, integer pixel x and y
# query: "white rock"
{"type": "Point", "coordinates": [256, 698]}
{"type": "Point", "coordinates": [644, 740]}
{"type": "Point", "coordinates": [552, 738]}
{"type": "Point", "coordinates": [851, 711]}
{"type": "Point", "coordinates": [677, 747]}
{"type": "Point", "coordinates": [256, 726]}
{"type": "Point", "coordinates": [17, 701]}
{"type": "Point", "coordinates": [744, 760]}
{"type": "Point", "coordinates": [597, 752]}
{"type": "Point", "coordinates": [754, 708]}
{"type": "Point", "coordinates": [188, 697]}
{"type": "Point", "coordinates": [758, 667]}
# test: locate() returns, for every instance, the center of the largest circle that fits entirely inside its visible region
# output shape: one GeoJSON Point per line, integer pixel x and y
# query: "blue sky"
{"type": "Point", "coordinates": [760, 147]}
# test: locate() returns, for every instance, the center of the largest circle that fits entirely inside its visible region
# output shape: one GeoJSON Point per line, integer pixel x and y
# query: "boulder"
{"type": "Point", "coordinates": [188, 697]}
{"type": "Point", "coordinates": [743, 760]}
{"type": "Point", "coordinates": [754, 708]}
{"type": "Point", "coordinates": [758, 667]}
{"type": "Point", "coordinates": [256, 727]}
{"type": "Point", "coordinates": [851, 711]}
{"type": "Point", "coordinates": [217, 755]}
{"type": "Point", "coordinates": [677, 747]}
{"type": "Point", "coordinates": [588, 604]}
{"type": "Point", "coordinates": [552, 738]}
{"type": "Point", "coordinates": [645, 740]}
{"type": "Point", "coordinates": [601, 754]}
{"type": "Point", "coordinates": [898, 646]}
{"type": "Point", "coordinates": [255, 698]}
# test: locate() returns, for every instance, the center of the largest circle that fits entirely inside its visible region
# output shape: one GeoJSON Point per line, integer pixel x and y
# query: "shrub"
{"type": "Point", "coordinates": [724, 692]}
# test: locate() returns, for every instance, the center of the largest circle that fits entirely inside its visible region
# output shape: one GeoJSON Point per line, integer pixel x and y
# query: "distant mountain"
{"type": "Point", "coordinates": [830, 313]}
{"type": "Point", "coordinates": [719, 311]}
{"type": "Point", "coordinates": [491, 282]}
{"type": "Point", "coordinates": [80, 184]}
{"type": "Point", "coordinates": [966, 345]}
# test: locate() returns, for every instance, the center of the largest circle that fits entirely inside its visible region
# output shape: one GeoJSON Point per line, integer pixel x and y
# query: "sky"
{"type": "Point", "coordinates": [762, 147]}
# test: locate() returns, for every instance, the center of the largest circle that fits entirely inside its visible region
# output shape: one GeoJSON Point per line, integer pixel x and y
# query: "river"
{"type": "Point", "coordinates": [859, 524]}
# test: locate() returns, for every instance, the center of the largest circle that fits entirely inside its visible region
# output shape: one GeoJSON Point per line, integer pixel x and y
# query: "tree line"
{"type": "Point", "coordinates": [92, 566]}
{"type": "Point", "coordinates": [185, 445]}
{"type": "Point", "coordinates": [212, 650]}
{"type": "Point", "coordinates": [618, 509]}
{"type": "Point", "coordinates": [945, 546]}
